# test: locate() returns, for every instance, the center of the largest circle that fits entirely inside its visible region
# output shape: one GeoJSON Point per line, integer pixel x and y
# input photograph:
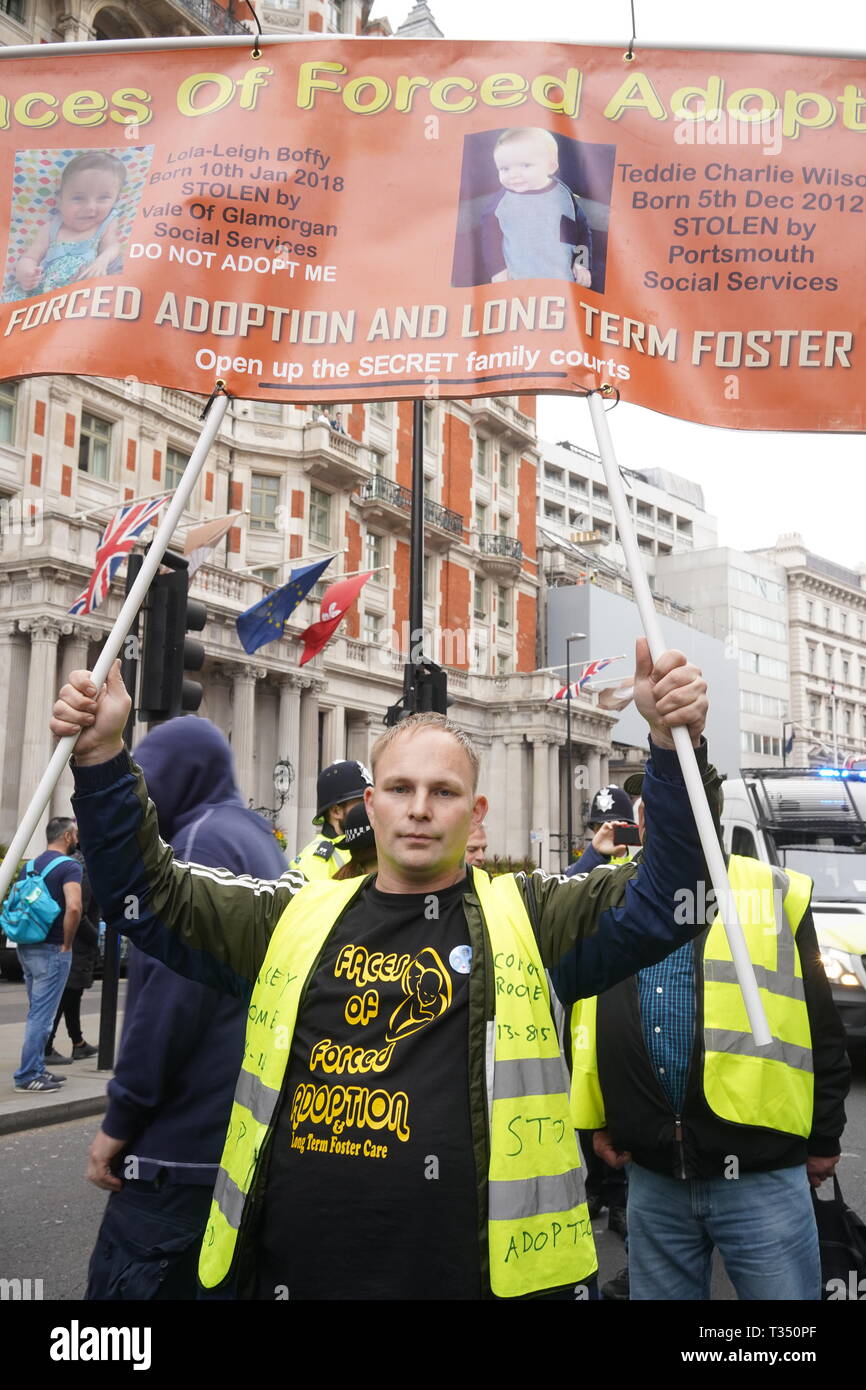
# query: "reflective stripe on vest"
{"type": "Point", "coordinates": [294, 948]}
{"type": "Point", "coordinates": [768, 1086]}
{"type": "Point", "coordinates": [587, 1103]}
{"type": "Point", "coordinates": [771, 1087]}
{"type": "Point", "coordinates": [538, 1226]}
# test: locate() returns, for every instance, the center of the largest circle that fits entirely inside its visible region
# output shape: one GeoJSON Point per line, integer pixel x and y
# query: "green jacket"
{"type": "Point", "coordinates": [212, 926]}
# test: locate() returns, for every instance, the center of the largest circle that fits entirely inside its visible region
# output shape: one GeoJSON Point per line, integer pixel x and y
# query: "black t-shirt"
{"type": "Point", "coordinates": [371, 1189]}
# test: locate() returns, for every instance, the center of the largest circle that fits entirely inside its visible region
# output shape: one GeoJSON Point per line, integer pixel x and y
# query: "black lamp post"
{"type": "Point", "coordinates": [569, 810]}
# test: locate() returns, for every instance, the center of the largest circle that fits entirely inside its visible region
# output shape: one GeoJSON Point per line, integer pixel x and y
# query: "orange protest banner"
{"type": "Point", "coordinates": [343, 220]}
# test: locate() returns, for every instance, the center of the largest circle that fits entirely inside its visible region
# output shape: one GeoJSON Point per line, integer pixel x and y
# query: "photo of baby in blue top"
{"type": "Point", "coordinates": [534, 205]}
{"type": "Point", "coordinates": [544, 231]}
{"type": "Point", "coordinates": [71, 217]}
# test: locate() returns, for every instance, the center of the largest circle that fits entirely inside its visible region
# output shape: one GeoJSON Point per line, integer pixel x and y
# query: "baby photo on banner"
{"type": "Point", "coordinates": [71, 215]}
{"type": "Point", "coordinates": [533, 205]}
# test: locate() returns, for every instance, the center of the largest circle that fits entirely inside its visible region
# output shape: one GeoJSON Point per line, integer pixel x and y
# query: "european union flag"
{"type": "Point", "coordinates": [264, 621]}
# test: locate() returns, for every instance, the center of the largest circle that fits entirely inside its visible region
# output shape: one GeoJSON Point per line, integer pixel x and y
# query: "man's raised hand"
{"type": "Point", "coordinates": [668, 693]}
{"type": "Point", "coordinates": [100, 716]}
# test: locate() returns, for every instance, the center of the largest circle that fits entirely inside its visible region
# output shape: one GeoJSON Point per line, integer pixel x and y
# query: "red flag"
{"type": "Point", "coordinates": [336, 601]}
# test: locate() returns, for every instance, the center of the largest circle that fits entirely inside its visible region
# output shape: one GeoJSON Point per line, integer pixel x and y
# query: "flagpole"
{"type": "Point", "coordinates": [112, 506]}
{"type": "Point", "coordinates": [352, 574]}
{"type": "Point", "coordinates": [682, 741]}
{"type": "Point", "coordinates": [114, 641]}
{"type": "Point", "coordinates": [295, 560]}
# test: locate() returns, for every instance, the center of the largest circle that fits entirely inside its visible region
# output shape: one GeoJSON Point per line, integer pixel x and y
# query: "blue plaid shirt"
{"type": "Point", "coordinates": [667, 1012]}
{"type": "Point", "coordinates": [667, 1006]}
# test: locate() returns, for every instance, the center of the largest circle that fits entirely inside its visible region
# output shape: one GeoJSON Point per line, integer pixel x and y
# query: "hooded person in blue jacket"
{"type": "Point", "coordinates": [159, 1146]}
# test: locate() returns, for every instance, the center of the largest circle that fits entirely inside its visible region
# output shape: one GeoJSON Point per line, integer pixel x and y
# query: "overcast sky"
{"type": "Point", "coordinates": [757, 484]}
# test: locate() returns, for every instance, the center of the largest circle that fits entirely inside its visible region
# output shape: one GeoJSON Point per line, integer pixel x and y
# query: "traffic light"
{"type": "Point", "coordinates": [425, 688]}
{"type": "Point", "coordinates": [432, 687]}
{"type": "Point", "coordinates": [167, 652]}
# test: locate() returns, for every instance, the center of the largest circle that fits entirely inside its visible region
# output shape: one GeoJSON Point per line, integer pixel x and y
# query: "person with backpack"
{"type": "Point", "coordinates": [85, 956]}
{"type": "Point", "coordinates": [41, 915]}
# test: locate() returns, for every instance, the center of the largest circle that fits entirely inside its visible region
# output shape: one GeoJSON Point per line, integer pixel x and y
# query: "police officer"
{"type": "Point", "coordinates": [338, 789]}
{"type": "Point", "coordinates": [610, 806]}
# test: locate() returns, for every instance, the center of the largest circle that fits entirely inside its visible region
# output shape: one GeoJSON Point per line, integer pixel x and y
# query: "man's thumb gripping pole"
{"type": "Point", "coordinates": [682, 741]}
{"type": "Point", "coordinates": [123, 622]}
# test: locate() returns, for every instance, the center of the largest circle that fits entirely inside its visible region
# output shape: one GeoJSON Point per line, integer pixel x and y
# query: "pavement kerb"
{"type": "Point", "coordinates": [50, 1112]}
{"type": "Point", "coordinates": [82, 1094]}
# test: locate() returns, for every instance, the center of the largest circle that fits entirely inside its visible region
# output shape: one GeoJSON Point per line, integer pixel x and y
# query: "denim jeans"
{"type": "Point", "coordinates": [46, 970]}
{"type": "Point", "coordinates": [762, 1224]}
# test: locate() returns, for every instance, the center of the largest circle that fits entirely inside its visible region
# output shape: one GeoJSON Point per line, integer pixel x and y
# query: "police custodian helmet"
{"type": "Point", "coordinates": [611, 803]}
{"type": "Point", "coordinates": [342, 781]}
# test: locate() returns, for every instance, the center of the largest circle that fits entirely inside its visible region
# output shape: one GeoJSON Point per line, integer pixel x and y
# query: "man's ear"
{"type": "Point", "coordinates": [368, 804]}
{"type": "Point", "coordinates": [480, 807]}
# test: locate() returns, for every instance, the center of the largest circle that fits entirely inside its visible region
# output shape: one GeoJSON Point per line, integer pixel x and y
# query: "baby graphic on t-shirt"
{"type": "Point", "coordinates": [80, 239]}
{"type": "Point", "coordinates": [542, 230]}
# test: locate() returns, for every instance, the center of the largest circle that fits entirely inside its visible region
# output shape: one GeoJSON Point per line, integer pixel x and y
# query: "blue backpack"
{"type": "Point", "coordinates": [30, 912]}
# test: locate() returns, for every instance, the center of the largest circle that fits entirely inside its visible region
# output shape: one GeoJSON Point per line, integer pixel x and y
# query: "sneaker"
{"type": "Point", "coordinates": [56, 1060]}
{"type": "Point", "coordinates": [617, 1221]}
{"type": "Point", "coordinates": [617, 1288]}
{"type": "Point", "coordinates": [83, 1050]}
{"type": "Point", "coordinates": [50, 1076]}
{"type": "Point", "coordinates": [40, 1083]}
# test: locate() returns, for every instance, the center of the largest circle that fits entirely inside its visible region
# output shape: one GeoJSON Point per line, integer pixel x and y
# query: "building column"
{"type": "Point", "coordinates": [244, 727]}
{"type": "Point", "coordinates": [308, 760]}
{"type": "Point", "coordinates": [74, 29]}
{"type": "Point", "coordinates": [288, 736]}
{"type": "Point", "coordinates": [496, 792]}
{"type": "Point", "coordinates": [515, 845]}
{"type": "Point", "coordinates": [45, 633]}
{"type": "Point", "coordinates": [593, 772]}
{"type": "Point", "coordinates": [540, 795]}
{"type": "Point", "coordinates": [7, 645]}
{"type": "Point", "coordinates": [337, 735]}
{"type": "Point", "coordinates": [359, 737]}
{"type": "Point", "coordinates": [73, 657]}
{"type": "Point", "coordinates": [604, 770]}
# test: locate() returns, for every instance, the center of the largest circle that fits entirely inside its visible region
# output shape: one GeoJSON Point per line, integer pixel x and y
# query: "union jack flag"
{"type": "Point", "coordinates": [591, 669]}
{"type": "Point", "coordinates": [117, 541]}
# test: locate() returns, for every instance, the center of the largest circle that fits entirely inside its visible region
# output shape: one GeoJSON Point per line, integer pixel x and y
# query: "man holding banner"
{"type": "Point", "coordinates": [375, 1190]}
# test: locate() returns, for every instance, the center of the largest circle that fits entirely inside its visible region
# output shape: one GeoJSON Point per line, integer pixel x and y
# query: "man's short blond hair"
{"type": "Point", "coordinates": [530, 132]}
{"type": "Point", "coordinates": [428, 720]}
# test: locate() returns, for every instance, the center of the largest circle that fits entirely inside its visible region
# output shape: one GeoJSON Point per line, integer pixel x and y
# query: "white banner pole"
{"type": "Point", "coordinates": [682, 741]}
{"type": "Point", "coordinates": [114, 641]}
{"type": "Point", "coordinates": [229, 41]}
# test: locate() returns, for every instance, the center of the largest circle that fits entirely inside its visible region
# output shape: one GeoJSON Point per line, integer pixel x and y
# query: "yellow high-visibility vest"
{"type": "Point", "coordinates": [320, 859]}
{"type": "Point", "coordinates": [539, 1231]}
{"type": "Point", "coordinates": [770, 1087]}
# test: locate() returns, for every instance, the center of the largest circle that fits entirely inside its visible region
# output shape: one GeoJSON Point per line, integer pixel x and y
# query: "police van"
{"type": "Point", "coordinates": [813, 820]}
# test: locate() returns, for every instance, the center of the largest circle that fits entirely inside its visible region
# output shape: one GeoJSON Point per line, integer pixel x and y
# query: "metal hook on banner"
{"type": "Point", "coordinates": [257, 52]}
{"type": "Point", "coordinates": [218, 390]}
{"type": "Point", "coordinates": [628, 56]}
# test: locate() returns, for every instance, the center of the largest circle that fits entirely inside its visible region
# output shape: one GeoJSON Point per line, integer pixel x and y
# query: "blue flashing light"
{"type": "Point", "coordinates": [840, 772]}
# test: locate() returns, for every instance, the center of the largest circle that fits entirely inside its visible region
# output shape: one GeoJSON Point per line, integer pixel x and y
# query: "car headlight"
{"type": "Point", "coordinates": [838, 967]}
